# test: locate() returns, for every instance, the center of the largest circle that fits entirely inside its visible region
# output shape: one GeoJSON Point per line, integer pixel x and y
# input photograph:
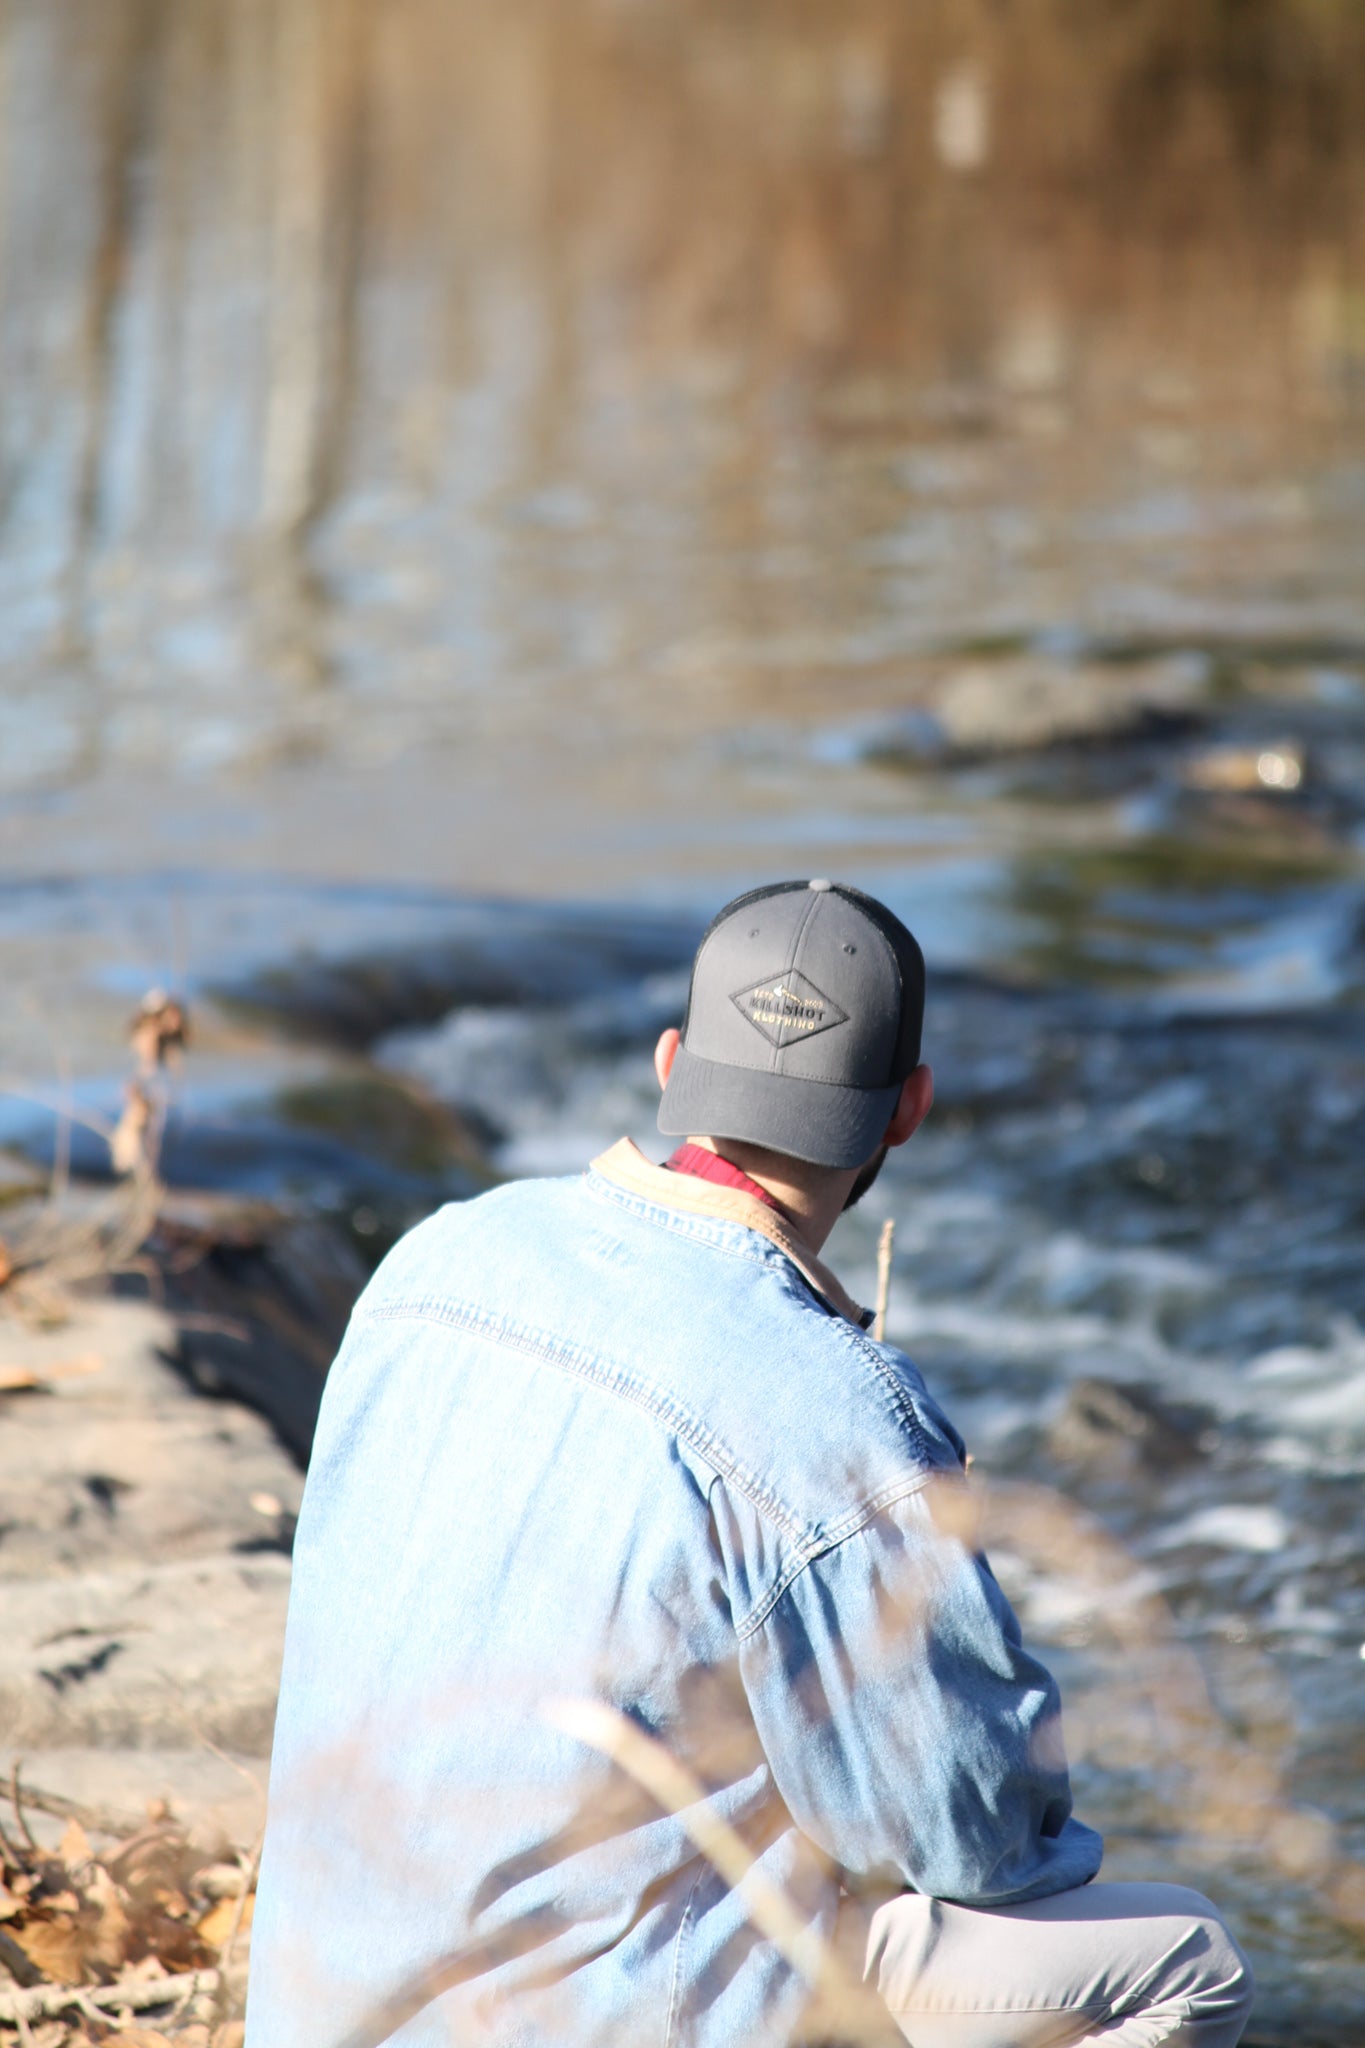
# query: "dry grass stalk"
{"type": "Point", "coordinates": [839, 2001]}
{"type": "Point", "coordinates": [886, 1244]}
{"type": "Point", "coordinates": [55, 1249]}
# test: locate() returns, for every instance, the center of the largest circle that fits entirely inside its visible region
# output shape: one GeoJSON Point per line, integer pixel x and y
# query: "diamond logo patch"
{"type": "Point", "coordinates": [788, 1007]}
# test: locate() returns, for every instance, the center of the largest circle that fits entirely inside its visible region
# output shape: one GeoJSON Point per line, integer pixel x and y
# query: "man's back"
{"type": "Point", "coordinates": [584, 1441]}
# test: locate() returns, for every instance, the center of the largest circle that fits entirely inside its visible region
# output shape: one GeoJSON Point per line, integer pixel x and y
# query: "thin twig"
{"type": "Point", "coordinates": [46, 2001]}
{"type": "Point", "coordinates": [250, 1866]}
{"type": "Point", "coordinates": [87, 1119]}
{"type": "Point", "coordinates": [104, 1820]}
{"type": "Point", "coordinates": [885, 1245]}
{"type": "Point", "coordinates": [233, 1763]}
{"type": "Point", "coordinates": [61, 1142]}
{"type": "Point", "coordinates": [19, 1818]}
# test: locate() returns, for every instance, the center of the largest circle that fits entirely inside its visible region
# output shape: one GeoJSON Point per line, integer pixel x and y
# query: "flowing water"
{"type": "Point", "coordinates": [479, 487]}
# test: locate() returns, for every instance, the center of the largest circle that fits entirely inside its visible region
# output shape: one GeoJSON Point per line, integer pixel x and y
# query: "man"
{"type": "Point", "coordinates": [624, 1439]}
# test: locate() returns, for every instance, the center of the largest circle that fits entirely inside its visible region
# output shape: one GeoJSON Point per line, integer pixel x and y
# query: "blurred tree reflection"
{"type": "Point", "coordinates": [252, 249]}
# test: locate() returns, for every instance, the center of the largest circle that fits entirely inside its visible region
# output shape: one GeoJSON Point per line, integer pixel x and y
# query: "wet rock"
{"type": "Point", "coordinates": [260, 1302]}
{"type": "Point", "coordinates": [1280, 768]}
{"type": "Point", "coordinates": [494, 955]}
{"type": "Point", "coordinates": [1118, 1427]}
{"type": "Point", "coordinates": [1030, 701]}
{"type": "Point", "coordinates": [385, 1118]}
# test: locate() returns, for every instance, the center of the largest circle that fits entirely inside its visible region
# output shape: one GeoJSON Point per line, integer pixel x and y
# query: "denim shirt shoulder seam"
{"type": "Point", "coordinates": [833, 1539]}
{"type": "Point", "coordinates": [613, 1380]}
{"type": "Point", "coordinates": [869, 1356]}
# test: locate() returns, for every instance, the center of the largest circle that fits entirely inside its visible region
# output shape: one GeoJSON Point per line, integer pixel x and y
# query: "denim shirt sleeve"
{"type": "Point", "coordinates": [911, 1735]}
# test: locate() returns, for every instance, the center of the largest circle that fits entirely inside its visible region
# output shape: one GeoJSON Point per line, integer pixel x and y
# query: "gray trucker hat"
{"type": "Point", "coordinates": [803, 1019]}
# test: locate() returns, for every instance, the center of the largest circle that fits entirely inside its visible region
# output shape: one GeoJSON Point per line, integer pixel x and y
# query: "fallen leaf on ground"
{"type": "Point", "coordinates": [15, 1378]}
{"type": "Point", "coordinates": [74, 1847]}
{"type": "Point", "coordinates": [216, 1925]}
{"type": "Point", "coordinates": [145, 1972]}
{"type": "Point", "coordinates": [56, 1947]}
{"type": "Point", "coordinates": [110, 1936]}
{"type": "Point", "coordinates": [17, 1961]}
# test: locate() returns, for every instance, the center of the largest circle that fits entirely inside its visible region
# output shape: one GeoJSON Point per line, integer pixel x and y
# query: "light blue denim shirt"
{"type": "Point", "coordinates": [618, 1438]}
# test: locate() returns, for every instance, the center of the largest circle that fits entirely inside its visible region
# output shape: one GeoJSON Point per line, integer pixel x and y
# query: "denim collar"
{"type": "Point", "coordinates": [625, 1164]}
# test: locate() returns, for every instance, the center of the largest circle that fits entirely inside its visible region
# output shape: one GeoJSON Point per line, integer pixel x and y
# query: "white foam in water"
{"type": "Point", "coordinates": [1228, 1528]}
{"type": "Point", "coordinates": [1070, 1271]}
{"type": "Point", "coordinates": [1316, 1391]}
{"type": "Point", "coordinates": [1021, 1336]}
{"type": "Point", "coordinates": [494, 1060]}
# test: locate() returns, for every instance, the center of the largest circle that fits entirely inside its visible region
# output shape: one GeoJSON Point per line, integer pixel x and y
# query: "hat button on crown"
{"type": "Point", "coordinates": [821, 884]}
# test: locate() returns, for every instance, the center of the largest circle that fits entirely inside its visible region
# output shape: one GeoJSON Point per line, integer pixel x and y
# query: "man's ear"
{"type": "Point", "coordinates": [665, 1052]}
{"type": "Point", "coordinates": [917, 1099]}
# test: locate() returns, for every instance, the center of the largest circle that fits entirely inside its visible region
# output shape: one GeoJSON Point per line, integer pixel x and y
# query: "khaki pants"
{"type": "Point", "coordinates": [1113, 1965]}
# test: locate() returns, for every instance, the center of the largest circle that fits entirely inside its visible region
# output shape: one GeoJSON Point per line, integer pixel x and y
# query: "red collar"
{"type": "Point", "coordinates": [704, 1165]}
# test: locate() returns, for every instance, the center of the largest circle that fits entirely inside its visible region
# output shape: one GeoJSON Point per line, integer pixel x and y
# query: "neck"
{"type": "Point", "coordinates": [810, 1197]}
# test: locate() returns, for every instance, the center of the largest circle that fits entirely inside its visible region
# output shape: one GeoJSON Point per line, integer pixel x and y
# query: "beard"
{"type": "Point", "coordinates": [866, 1176]}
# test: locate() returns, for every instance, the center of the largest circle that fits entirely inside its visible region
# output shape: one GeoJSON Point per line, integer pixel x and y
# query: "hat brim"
{"type": "Point", "coordinates": [823, 1122]}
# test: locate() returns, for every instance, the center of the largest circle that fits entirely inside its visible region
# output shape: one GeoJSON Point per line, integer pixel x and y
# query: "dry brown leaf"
{"type": "Point", "coordinates": [109, 1938]}
{"type": "Point", "coordinates": [143, 2037]}
{"type": "Point", "coordinates": [216, 1925]}
{"type": "Point", "coordinates": [160, 1028]}
{"type": "Point", "coordinates": [15, 1378]}
{"type": "Point", "coordinates": [129, 1140]}
{"type": "Point", "coordinates": [61, 1902]}
{"type": "Point", "coordinates": [178, 1943]}
{"type": "Point", "coordinates": [56, 1947]}
{"type": "Point", "coordinates": [74, 1847]}
{"type": "Point", "coordinates": [144, 1972]}
{"type": "Point", "coordinates": [231, 2034]}
{"type": "Point", "coordinates": [18, 1961]}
